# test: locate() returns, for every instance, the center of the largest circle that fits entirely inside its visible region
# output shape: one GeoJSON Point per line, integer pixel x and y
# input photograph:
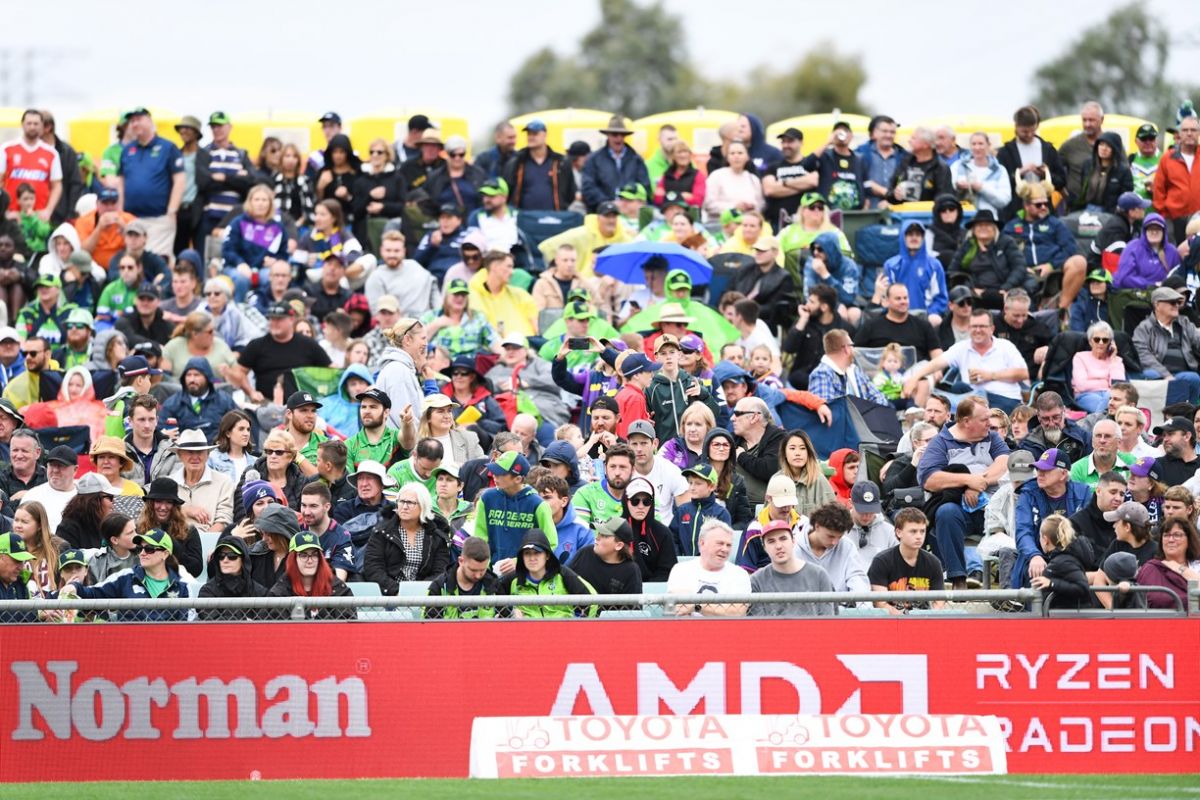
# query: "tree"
{"type": "Point", "coordinates": [1119, 62]}
{"type": "Point", "coordinates": [819, 82]}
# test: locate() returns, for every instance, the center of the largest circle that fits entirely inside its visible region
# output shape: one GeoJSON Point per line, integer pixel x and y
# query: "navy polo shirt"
{"type": "Point", "coordinates": [147, 170]}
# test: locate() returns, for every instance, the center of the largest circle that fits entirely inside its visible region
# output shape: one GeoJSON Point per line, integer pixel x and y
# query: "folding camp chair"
{"type": "Point", "coordinates": [76, 437]}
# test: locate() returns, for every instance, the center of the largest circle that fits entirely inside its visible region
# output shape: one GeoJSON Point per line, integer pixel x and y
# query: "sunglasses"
{"type": "Point", "coordinates": [229, 555]}
{"type": "Point", "coordinates": [1101, 339]}
{"type": "Point", "coordinates": [641, 500]}
{"type": "Point", "coordinates": [1040, 204]}
{"type": "Point", "coordinates": [817, 206]}
{"type": "Point", "coordinates": [148, 548]}
{"type": "Point", "coordinates": [75, 326]}
{"type": "Point", "coordinates": [378, 152]}
{"type": "Point", "coordinates": [31, 353]}
{"type": "Point", "coordinates": [276, 452]}
{"type": "Point", "coordinates": [475, 257]}
{"type": "Point", "coordinates": [213, 292]}
{"type": "Point", "coordinates": [461, 373]}
{"type": "Point", "coordinates": [743, 413]}
{"type": "Point", "coordinates": [457, 155]}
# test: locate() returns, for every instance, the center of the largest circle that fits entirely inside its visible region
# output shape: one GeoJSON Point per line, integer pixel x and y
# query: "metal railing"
{"type": "Point", "coordinates": [1137, 589]}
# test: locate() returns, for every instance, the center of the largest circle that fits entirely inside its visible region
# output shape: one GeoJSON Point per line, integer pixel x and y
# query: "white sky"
{"type": "Point", "coordinates": [363, 56]}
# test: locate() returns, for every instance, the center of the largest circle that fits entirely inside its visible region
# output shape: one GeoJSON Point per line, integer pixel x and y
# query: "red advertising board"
{"type": "Point", "coordinates": [333, 700]}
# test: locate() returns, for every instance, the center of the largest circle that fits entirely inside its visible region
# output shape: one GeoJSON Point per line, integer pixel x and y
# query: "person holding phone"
{"type": "Point", "coordinates": [1094, 371]}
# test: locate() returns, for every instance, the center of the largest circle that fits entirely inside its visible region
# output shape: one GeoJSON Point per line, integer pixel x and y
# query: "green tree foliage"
{"type": "Point", "coordinates": [1119, 62]}
{"type": "Point", "coordinates": [819, 82]}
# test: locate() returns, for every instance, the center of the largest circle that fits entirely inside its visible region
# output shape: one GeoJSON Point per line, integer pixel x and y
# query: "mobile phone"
{"type": "Point", "coordinates": [578, 343]}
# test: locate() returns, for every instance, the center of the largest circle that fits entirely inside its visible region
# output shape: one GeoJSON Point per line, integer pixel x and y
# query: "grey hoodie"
{"type": "Point", "coordinates": [398, 378]}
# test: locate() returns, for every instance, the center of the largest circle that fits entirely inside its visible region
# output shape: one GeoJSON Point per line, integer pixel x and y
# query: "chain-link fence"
{"type": "Point", "coordinates": [411, 605]}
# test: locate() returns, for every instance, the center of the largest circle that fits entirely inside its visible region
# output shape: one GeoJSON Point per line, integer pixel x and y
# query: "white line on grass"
{"type": "Point", "coordinates": [1104, 787]}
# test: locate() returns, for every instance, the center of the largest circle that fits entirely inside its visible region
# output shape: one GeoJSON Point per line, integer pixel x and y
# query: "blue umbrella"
{"type": "Point", "coordinates": [624, 261]}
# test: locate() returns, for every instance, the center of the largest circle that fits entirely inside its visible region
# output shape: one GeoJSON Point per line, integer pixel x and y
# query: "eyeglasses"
{"type": "Point", "coordinates": [378, 152]}
{"type": "Point", "coordinates": [457, 155]}
{"type": "Point", "coordinates": [229, 555]}
{"type": "Point", "coordinates": [213, 292]}
{"type": "Point", "coordinates": [641, 500]}
{"type": "Point", "coordinates": [406, 502]}
{"type": "Point", "coordinates": [276, 452]}
{"type": "Point", "coordinates": [308, 555]}
{"type": "Point", "coordinates": [1101, 339]}
{"type": "Point", "coordinates": [1040, 204]}
{"type": "Point", "coordinates": [148, 548]}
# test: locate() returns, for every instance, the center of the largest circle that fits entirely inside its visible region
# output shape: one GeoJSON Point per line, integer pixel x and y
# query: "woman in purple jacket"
{"type": "Point", "coordinates": [1146, 260]}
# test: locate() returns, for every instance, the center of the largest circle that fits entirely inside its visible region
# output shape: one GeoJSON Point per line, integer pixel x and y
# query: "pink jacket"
{"type": "Point", "coordinates": [1091, 374]}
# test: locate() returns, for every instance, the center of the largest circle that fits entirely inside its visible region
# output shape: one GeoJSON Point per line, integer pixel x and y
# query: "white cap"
{"type": "Point", "coordinates": [514, 339]}
{"type": "Point", "coordinates": [782, 491]}
{"type": "Point", "coordinates": [9, 333]}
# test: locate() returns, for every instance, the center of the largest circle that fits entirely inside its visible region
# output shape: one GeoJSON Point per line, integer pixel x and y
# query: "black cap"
{"type": "Point", "coordinates": [148, 289]}
{"type": "Point", "coordinates": [281, 310]}
{"type": "Point", "coordinates": [331, 116]}
{"type": "Point", "coordinates": [1175, 424]}
{"type": "Point", "coordinates": [1146, 131]}
{"type": "Point", "coordinates": [579, 149]}
{"type": "Point", "coordinates": [983, 215]}
{"type": "Point", "coordinates": [301, 399]}
{"type": "Point", "coordinates": [605, 403]}
{"type": "Point", "coordinates": [378, 395]}
{"type": "Point", "coordinates": [607, 208]}
{"type": "Point", "coordinates": [960, 293]}
{"type": "Point", "coordinates": [451, 208]}
{"type": "Point", "coordinates": [792, 133]}
{"type": "Point", "coordinates": [7, 407]}
{"type": "Point", "coordinates": [419, 122]}
{"type": "Point", "coordinates": [63, 455]}
{"type": "Point", "coordinates": [148, 349]}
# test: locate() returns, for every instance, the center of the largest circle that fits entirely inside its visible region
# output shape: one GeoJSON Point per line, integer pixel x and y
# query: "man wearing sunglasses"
{"type": "Point", "coordinates": [1048, 243]}
{"type": "Point", "coordinates": [76, 349]}
{"type": "Point", "coordinates": [41, 379]}
{"type": "Point", "coordinates": [1169, 346]}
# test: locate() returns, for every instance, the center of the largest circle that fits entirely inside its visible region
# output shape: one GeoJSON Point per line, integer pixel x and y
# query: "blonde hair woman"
{"type": "Point", "coordinates": [402, 367]}
{"type": "Point", "coordinates": [196, 337]}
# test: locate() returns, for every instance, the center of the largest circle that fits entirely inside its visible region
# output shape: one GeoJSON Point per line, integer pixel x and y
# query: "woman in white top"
{"type": "Point", "coordinates": [733, 187]}
{"type": "Point", "coordinates": [980, 179]}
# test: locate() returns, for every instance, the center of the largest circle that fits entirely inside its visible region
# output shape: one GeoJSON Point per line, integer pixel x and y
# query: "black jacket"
{"type": "Point", "coordinates": [1010, 158]}
{"type": "Point", "coordinates": [393, 199]}
{"type": "Point", "coordinates": [1068, 580]}
{"type": "Point", "coordinates": [206, 187]}
{"type": "Point", "coordinates": [80, 534]}
{"type": "Point", "coordinates": [283, 588]}
{"type": "Point", "coordinates": [808, 347]}
{"type": "Point", "coordinates": [292, 487]}
{"type": "Point", "coordinates": [440, 180]}
{"type": "Point", "coordinates": [1001, 266]}
{"type": "Point", "coordinates": [934, 177]}
{"type": "Point", "coordinates": [135, 332]}
{"type": "Point", "coordinates": [262, 565]}
{"type": "Point", "coordinates": [1117, 180]}
{"type": "Point", "coordinates": [384, 561]}
{"type": "Point", "coordinates": [241, 584]}
{"type": "Point", "coordinates": [776, 291]}
{"type": "Point", "coordinates": [562, 178]}
{"type": "Point", "coordinates": [190, 553]}
{"type": "Point", "coordinates": [475, 478]}
{"type": "Point", "coordinates": [446, 585]}
{"type": "Point", "coordinates": [654, 548]}
{"type": "Point", "coordinates": [1114, 234]}
{"type": "Point", "coordinates": [1089, 523]}
{"type": "Point", "coordinates": [72, 184]}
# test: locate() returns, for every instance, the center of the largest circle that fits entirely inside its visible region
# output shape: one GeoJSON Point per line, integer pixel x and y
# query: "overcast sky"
{"type": "Point", "coordinates": [363, 56]}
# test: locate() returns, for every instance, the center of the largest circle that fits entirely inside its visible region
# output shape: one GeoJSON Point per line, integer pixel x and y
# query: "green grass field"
{"type": "Point", "coordinates": [1009, 787]}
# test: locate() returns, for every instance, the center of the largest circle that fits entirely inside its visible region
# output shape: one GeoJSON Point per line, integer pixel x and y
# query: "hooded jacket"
{"type": "Point", "coordinates": [398, 379]}
{"type": "Point", "coordinates": [761, 153]}
{"type": "Point", "coordinates": [560, 450]}
{"type": "Point", "coordinates": [1117, 180]}
{"type": "Point", "coordinates": [338, 410]}
{"type": "Point", "coordinates": [438, 258]}
{"type": "Point", "coordinates": [502, 520]}
{"type": "Point", "coordinates": [844, 273]}
{"type": "Point", "coordinates": [667, 400]}
{"type": "Point", "coordinates": [385, 559]}
{"type": "Point", "coordinates": [726, 371]}
{"type": "Point", "coordinates": [1047, 241]}
{"type": "Point", "coordinates": [240, 584]}
{"type": "Point", "coordinates": [922, 274]}
{"type": "Point", "coordinates": [573, 535]}
{"type": "Point", "coordinates": [685, 525]}
{"type": "Point", "coordinates": [130, 584]}
{"type": "Point", "coordinates": [1033, 506]}
{"type": "Point", "coordinates": [203, 413]}
{"type": "Point", "coordinates": [995, 193]}
{"type": "Point", "coordinates": [392, 183]}
{"type": "Point", "coordinates": [1000, 267]}
{"type": "Point", "coordinates": [837, 461]}
{"type": "Point", "coordinates": [1065, 569]}
{"type": "Point", "coordinates": [1140, 267]}
{"type": "Point", "coordinates": [557, 580]}
{"type": "Point", "coordinates": [946, 238]}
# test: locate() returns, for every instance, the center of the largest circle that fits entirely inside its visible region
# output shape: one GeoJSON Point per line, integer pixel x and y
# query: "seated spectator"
{"type": "Point", "coordinates": [827, 547]}
{"type": "Point", "coordinates": [711, 572]}
{"type": "Point", "coordinates": [162, 510]}
{"type": "Point", "coordinates": [980, 179]}
{"type": "Point", "coordinates": [786, 572]}
{"type": "Point", "coordinates": [1179, 460]}
{"type": "Point", "coordinates": [828, 265]}
{"type": "Point", "coordinates": [907, 567]}
{"type": "Point", "coordinates": [505, 513]}
{"type": "Point", "coordinates": [1056, 429]}
{"type": "Point", "coordinates": [779, 505]}
{"type": "Point", "coordinates": [1090, 523]}
{"type": "Point", "coordinates": [442, 248]}
{"type": "Point", "coordinates": [653, 543]}
{"type": "Point", "coordinates": [689, 517]}
{"type": "Point", "coordinates": [1176, 562]}
{"type": "Point", "coordinates": [805, 340]}
{"type": "Point", "coordinates": [278, 467]}
{"type": "Point", "coordinates": [687, 448]}
{"type": "Point", "coordinates": [155, 575]}
{"type": "Point", "coordinates": [537, 572]}
{"type": "Point", "coordinates": [257, 240]}
{"type": "Point", "coordinates": [59, 488]}
{"type": "Point", "coordinates": [843, 463]}
{"type": "Point", "coordinates": [1168, 346]}
{"type": "Point", "coordinates": [469, 576]}
{"type": "Point", "coordinates": [898, 325]}
{"type": "Point", "coordinates": [229, 576]}
{"type": "Point", "coordinates": [1146, 260]}
{"type": "Point", "coordinates": [207, 494]}
{"type": "Point", "coordinates": [411, 545]}
{"type": "Point", "coordinates": [599, 229]}
{"type": "Point", "coordinates": [315, 503]}
{"type": "Point", "coordinates": [609, 565]}
{"type": "Point", "coordinates": [308, 574]}
{"type": "Point", "coordinates": [991, 367]}
{"type": "Point", "coordinates": [838, 376]}
{"type": "Point", "coordinates": [1105, 456]}
{"type": "Point", "coordinates": [1091, 306]}
{"type": "Point", "coordinates": [1063, 576]}
{"type": "Point", "coordinates": [117, 298]}
{"type": "Point", "coordinates": [457, 327]}
{"type": "Point", "coordinates": [1048, 243]}
{"type": "Point", "coordinates": [901, 471]}
{"type": "Point", "coordinates": [331, 237]}
{"type": "Point", "coordinates": [1054, 492]}
{"type": "Point", "coordinates": [459, 445]}
{"type": "Point", "coordinates": [990, 261]}
{"type": "Point", "coordinates": [872, 532]}
{"type": "Point", "coordinates": [814, 220]}
{"type": "Point", "coordinates": [923, 274]}
{"type": "Point", "coordinates": [1133, 424]}
{"type": "Point", "coordinates": [119, 553]}
{"type": "Point", "coordinates": [573, 535]}
{"type": "Point", "coordinates": [1094, 371]}
{"type": "Point", "coordinates": [185, 288]}
{"type": "Point", "coordinates": [200, 406]}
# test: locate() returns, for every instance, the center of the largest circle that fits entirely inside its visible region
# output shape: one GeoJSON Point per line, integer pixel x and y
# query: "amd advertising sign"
{"type": "Point", "coordinates": [379, 699]}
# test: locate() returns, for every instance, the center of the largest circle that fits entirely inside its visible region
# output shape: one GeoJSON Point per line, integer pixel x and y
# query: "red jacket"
{"type": "Point", "coordinates": [631, 406]}
{"type": "Point", "coordinates": [1176, 190]}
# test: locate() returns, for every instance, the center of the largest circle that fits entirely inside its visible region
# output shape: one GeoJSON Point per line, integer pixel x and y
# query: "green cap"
{"type": "Point", "coordinates": [579, 293]}
{"type": "Point", "coordinates": [219, 118]}
{"type": "Point", "coordinates": [156, 537]}
{"type": "Point", "coordinates": [68, 557]}
{"type": "Point", "coordinates": [13, 545]}
{"type": "Point", "coordinates": [632, 191]}
{"type": "Point", "coordinates": [80, 316]}
{"type": "Point", "coordinates": [446, 468]}
{"type": "Point", "coordinates": [678, 279]}
{"type": "Point", "coordinates": [578, 310]}
{"type": "Point", "coordinates": [704, 472]}
{"type": "Point", "coordinates": [48, 280]}
{"type": "Point", "coordinates": [1100, 276]}
{"type": "Point", "coordinates": [496, 187]}
{"type": "Point", "coordinates": [730, 216]}
{"type": "Point", "coordinates": [458, 286]}
{"type": "Point", "coordinates": [811, 198]}
{"type": "Point", "coordinates": [304, 541]}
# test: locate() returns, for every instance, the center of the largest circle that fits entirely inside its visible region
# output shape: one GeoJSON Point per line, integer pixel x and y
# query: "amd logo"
{"type": "Point", "coordinates": [708, 686]}
{"type": "Point", "coordinates": [98, 709]}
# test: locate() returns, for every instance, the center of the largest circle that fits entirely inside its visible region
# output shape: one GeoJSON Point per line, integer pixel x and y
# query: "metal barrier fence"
{"type": "Point", "coordinates": [413, 604]}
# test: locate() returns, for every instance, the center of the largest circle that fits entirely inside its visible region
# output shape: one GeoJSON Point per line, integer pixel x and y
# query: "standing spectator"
{"type": "Point", "coordinates": [539, 178]}
{"type": "Point", "coordinates": [30, 160]}
{"type": "Point", "coordinates": [638, 372]}
{"type": "Point", "coordinates": [417, 171]}
{"type": "Point", "coordinates": [921, 174]}
{"type": "Point", "coordinates": [1106, 176]}
{"type": "Point", "coordinates": [1177, 182]}
{"type": "Point", "coordinates": [840, 171]}
{"type": "Point", "coordinates": [612, 167]}
{"type": "Point", "coordinates": [456, 182]}
{"type": "Point", "coordinates": [494, 160]}
{"type": "Point", "coordinates": [1028, 158]}
{"type": "Point", "coordinates": [73, 187]}
{"type": "Point", "coordinates": [378, 194]}
{"type": "Point", "coordinates": [272, 357]}
{"type": "Point", "coordinates": [786, 180]}
{"type": "Point", "coordinates": [224, 173]}
{"type": "Point", "coordinates": [151, 182]}
{"type": "Point", "coordinates": [980, 178]}
{"type": "Point", "coordinates": [733, 186]}
{"type": "Point", "coordinates": [1077, 152]}
{"type": "Point", "coordinates": [878, 158]}
{"type": "Point", "coordinates": [1144, 163]}
{"type": "Point", "coordinates": [293, 191]}
{"type": "Point", "coordinates": [408, 147]}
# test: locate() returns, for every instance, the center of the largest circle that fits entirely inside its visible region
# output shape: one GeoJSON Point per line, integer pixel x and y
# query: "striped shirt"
{"type": "Point", "coordinates": [227, 161]}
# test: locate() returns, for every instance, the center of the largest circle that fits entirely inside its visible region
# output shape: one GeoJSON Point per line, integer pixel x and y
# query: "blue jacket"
{"type": "Point", "coordinates": [573, 535]}
{"type": "Point", "coordinates": [1033, 506]}
{"type": "Point", "coordinates": [724, 371]}
{"type": "Point", "coordinates": [559, 450]}
{"type": "Point", "coordinates": [761, 153]}
{"type": "Point", "coordinates": [1087, 310]}
{"type": "Point", "coordinates": [503, 521]}
{"type": "Point", "coordinates": [250, 241]}
{"type": "Point", "coordinates": [1046, 242]}
{"type": "Point", "coordinates": [602, 177]}
{"type": "Point", "coordinates": [338, 547]}
{"type": "Point", "coordinates": [130, 584]}
{"type": "Point", "coordinates": [338, 409]}
{"type": "Point", "coordinates": [19, 590]}
{"type": "Point", "coordinates": [685, 525]}
{"type": "Point", "coordinates": [923, 275]}
{"type": "Point", "coordinates": [439, 258]}
{"type": "Point", "coordinates": [182, 406]}
{"type": "Point", "coordinates": [844, 274]}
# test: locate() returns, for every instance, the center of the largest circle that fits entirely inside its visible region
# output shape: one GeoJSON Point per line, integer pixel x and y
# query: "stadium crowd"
{"type": "Point", "coordinates": [390, 369]}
